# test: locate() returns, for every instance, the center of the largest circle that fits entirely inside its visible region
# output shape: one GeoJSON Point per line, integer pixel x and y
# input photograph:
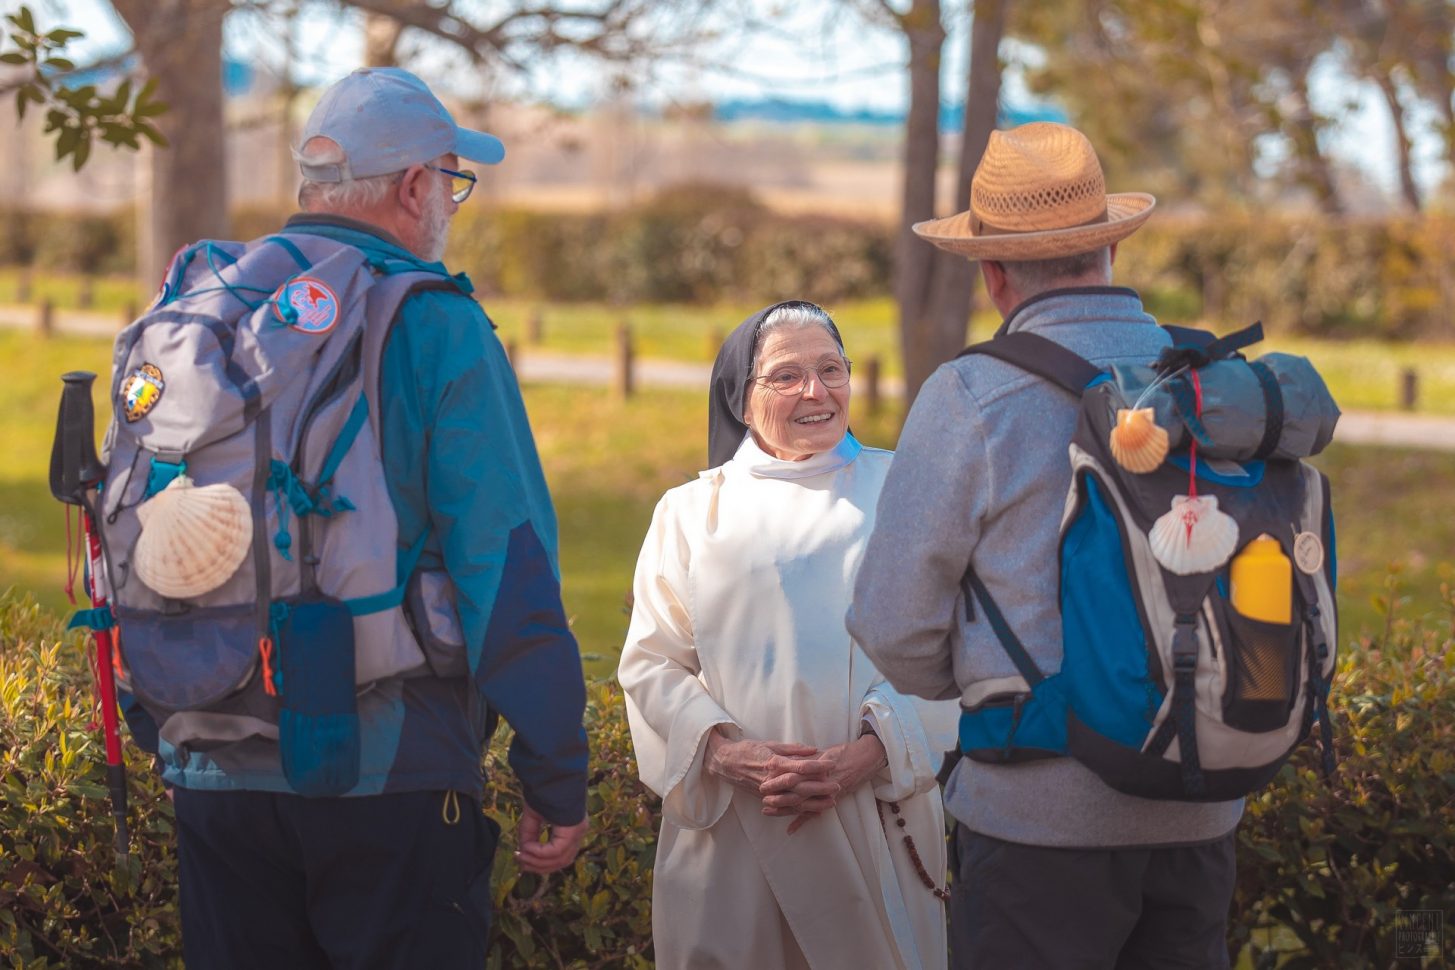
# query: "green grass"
{"type": "Point", "coordinates": [608, 461]}
{"type": "Point", "coordinates": [109, 294]}
{"type": "Point", "coordinates": [1363, 374]}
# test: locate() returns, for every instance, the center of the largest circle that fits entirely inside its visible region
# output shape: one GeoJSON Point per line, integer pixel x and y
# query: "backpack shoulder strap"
{"type": "Point", "coordinates": [1037, 355]}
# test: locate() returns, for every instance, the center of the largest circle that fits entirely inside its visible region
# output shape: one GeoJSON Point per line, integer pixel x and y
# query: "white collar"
{"type": "Point", "coordinates": [758, 463]}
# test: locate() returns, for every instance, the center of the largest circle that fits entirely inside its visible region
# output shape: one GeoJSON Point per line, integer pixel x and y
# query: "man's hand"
{"type": "Point", "coordinates": [749, 764]}
{"type": "Point", "coordinates": [557, 852]}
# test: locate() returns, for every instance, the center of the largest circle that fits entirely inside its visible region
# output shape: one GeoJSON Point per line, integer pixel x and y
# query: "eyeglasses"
{"type": "Point", "coordinates": [791, 380]}
{"type": "Point", "coordinates": [461, 183]}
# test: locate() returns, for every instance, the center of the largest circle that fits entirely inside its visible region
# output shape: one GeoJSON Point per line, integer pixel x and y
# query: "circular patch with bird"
{"type": "Point", "coordinates": [307, 305]}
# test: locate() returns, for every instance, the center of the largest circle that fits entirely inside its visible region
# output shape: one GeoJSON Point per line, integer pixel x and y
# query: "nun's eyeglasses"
{"type": "Point", "coordinates": [791, 380]}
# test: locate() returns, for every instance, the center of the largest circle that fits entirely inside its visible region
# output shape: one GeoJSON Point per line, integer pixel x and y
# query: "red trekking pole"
{"type": "Point", "coordinates": [75, 474]}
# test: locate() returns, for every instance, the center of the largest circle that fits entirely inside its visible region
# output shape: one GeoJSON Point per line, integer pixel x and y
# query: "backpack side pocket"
{"type": "Point", "coordinates": [318, 727]}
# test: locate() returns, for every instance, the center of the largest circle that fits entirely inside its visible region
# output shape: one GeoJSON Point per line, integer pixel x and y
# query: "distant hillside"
{"type": "Point", "coordinates": [787, 111]}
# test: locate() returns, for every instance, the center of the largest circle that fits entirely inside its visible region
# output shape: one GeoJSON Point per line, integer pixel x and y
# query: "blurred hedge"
{"type": "Point", "coordinates": [1370, 278]}
{"type": "Point", "coordinates": [1323, 868]}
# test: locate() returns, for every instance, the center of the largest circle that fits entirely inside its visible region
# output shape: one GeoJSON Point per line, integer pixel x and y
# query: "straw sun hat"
{"type": "Point", "coordinates": [1038, 193]}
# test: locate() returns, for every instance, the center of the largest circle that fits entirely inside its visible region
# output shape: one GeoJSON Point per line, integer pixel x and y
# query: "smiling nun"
{"type": "Point", "coordinates": [801, 821]}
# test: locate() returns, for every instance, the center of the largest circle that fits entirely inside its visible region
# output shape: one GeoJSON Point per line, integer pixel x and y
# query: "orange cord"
{"type": "Point", "coordinates": [265, 649]}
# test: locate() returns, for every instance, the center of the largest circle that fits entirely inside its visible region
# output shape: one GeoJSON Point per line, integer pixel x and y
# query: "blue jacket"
{"type": "Point", "coordinates": [461, 463]}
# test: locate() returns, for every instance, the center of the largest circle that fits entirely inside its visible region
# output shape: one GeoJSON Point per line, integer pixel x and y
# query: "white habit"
{"type": "Point", "coordinates": [740, 596]}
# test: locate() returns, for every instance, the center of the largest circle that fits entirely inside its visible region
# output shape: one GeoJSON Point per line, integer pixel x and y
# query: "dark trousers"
{"type": "Point", "coordinates": [386, 881]}
{"type": "Point", "coordinates": [1036, 908]}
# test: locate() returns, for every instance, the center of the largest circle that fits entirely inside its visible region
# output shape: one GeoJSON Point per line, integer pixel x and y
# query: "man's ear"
{"type": "Point", "coordinates": [412, 190]}
{"type": "Point", "coordinates": [994, 276]}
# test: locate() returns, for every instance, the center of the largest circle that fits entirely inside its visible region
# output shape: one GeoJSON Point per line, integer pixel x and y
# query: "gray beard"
{"type": "Point", "coordinates": [434, 229]}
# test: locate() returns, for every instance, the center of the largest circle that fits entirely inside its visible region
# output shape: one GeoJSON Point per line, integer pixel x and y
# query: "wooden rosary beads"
{"type": "Point", "coordinates": [919, 866]}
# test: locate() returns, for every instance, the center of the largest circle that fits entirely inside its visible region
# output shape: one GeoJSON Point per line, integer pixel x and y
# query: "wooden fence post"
{"type": "Point", "coordinates": [623, 379]}
{"type": "Point", "coordinates": [1409, 389]}
{"type": "Point", "coordinates": [512, 353]}
{"type": "Point", "coordinates": [535, 327]}
{"type": "Point", "coordinates": [128, 314]}
{"type": "Point", "coordinates": [714, 342]}
{"type": "Point", "coordinates": [45, 318]}
{"type": "Point", "coordinates": [24, 285]}
{"type": "Point", "coordinates": [872, 399]}
{"type": "Point", "coordinates": [86, 295]}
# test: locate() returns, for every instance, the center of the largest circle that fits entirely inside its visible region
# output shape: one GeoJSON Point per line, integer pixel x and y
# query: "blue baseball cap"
{"type": "Point", "coordinates": [385, 120]}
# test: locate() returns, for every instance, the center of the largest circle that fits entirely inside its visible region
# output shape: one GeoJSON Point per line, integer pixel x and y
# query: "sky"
{"type": "Point", "coordinates": [812, 50]}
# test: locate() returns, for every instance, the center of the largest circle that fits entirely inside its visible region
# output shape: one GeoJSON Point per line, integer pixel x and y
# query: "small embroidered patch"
{"type": "Point", "coordinates": [142, 390]}
{"type": "Point", "coordinates": [314, 305]}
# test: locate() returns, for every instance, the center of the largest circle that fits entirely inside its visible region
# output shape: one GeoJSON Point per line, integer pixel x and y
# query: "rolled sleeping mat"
{"type": "Point", "coordinates": [1238, 398]}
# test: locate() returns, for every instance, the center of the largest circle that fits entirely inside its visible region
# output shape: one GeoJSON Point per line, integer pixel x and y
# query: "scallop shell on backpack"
{"type": "Point", "coordinates": [1138, 443]}
{"type": "Point", "coordinates": [192, 539]}
{"type": "Point", "coordinates": [1194, 536]}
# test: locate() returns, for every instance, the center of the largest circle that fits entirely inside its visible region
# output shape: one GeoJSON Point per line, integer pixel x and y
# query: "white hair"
{"type": "Point", "coordinates": [344, 196]}
{"type": "Point", "coordinates": [795, 316]}
{"type": "Point", "coordinates": [1030, 277]}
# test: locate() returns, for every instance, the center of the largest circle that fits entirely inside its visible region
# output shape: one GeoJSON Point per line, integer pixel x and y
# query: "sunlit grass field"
{"type": "Point", "coordinates": [1363, 374]}
{"type": "Point", "coordinates": [608, 461]}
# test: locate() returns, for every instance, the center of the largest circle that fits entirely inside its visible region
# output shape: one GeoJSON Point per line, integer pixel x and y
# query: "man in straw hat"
{"type": "Point", "coordinates": [1053, 868]}
{"type": "Point", "coordinates": [396, 872]}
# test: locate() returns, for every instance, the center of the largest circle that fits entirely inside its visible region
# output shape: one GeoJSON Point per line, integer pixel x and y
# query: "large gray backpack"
{"type": "Point", "coordinates": [1167, 688]}
{"type": "Point", "coordinates": [257, 370]}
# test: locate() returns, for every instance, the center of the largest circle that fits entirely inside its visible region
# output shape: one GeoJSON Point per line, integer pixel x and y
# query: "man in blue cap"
{"type": "Point", "coordinates": [397, 872]}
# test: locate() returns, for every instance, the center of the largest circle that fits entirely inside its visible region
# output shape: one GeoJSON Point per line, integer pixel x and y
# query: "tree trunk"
{"type": "Point", "coordinates": [935, 289]}
{"type": "Point", "coordinates": [1316, 172]}
{"type": "Point", "coordinates": [914, 258]}
{"type": "Point", "coordinates": [381, 40]}
{"type": "Point", "coordinates": [1407, 185]}
{"type": "Point", "coordinates": [954, 276]}
{"type": "Point", "coordinates": [180, 43]}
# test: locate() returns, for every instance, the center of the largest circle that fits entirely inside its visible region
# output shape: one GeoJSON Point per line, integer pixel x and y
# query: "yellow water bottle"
{"type": "Point", "coordinates": [1262, 581]}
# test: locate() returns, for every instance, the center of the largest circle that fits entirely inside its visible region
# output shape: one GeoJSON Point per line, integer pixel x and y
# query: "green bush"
{"type": "Point", "coordinates": [63, 904]}
{"type": "Point", "coordinates": [598, 913]}
{"type": "Point", "coordinates": [697, 243]}
{"type": "Point", "coordinates": [69, 241]}
{"type": "Point", "coordinates": [1323, 868]}
{"type": "Point", "coordinates": [63, 901]}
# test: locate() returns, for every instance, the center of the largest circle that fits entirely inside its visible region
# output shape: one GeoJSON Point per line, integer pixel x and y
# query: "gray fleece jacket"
{"type": "Point", "coordinates": [981, 475]}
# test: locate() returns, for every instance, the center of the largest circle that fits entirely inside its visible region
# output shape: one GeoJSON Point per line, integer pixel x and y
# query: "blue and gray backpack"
{"type": "Point", "coordinates": [257, 369]}
{"type": "Point", "coordinates": [1165, 689]}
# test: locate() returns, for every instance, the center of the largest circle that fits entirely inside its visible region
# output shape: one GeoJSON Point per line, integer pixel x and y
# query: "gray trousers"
{"type": "Point", "coordinates": [1036, 908]}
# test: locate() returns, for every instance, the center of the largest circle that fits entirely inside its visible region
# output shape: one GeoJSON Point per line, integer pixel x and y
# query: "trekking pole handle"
{"type": "Point", "coordinates": [75, 466]}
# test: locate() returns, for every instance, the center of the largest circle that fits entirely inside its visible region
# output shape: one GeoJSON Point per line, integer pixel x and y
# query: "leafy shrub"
{"type": "Point", "coordinates": [1389, 278]}
{"type": "Point", "coordinates": [63, 901]}
{"type": "Point", "coordinates": [64, 905]}
{"type": "Point", "coordinates": [599, 912]}
{"type": "Point", "coordinates": [1323, 868]}
{"type": "Point", "coordinates": [70, 241]}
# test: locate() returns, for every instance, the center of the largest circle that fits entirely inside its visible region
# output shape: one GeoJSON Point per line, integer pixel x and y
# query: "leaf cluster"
{"type": "Point", "coordinates": [76, 113]}
{"type": "Point", "coordinates": [1325, 868]}
{"type": "Point", "coordinates": [64, 901]}
{"type": "Point", "coordinates": [598, 913]}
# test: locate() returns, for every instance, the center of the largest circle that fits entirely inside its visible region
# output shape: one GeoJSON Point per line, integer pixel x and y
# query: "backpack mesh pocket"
{"type": "Point", "coordinates": [1262, 663]}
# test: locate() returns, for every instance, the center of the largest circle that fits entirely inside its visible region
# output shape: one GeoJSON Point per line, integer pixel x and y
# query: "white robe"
{"type": "Point", "coordinates": [740, 596]}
